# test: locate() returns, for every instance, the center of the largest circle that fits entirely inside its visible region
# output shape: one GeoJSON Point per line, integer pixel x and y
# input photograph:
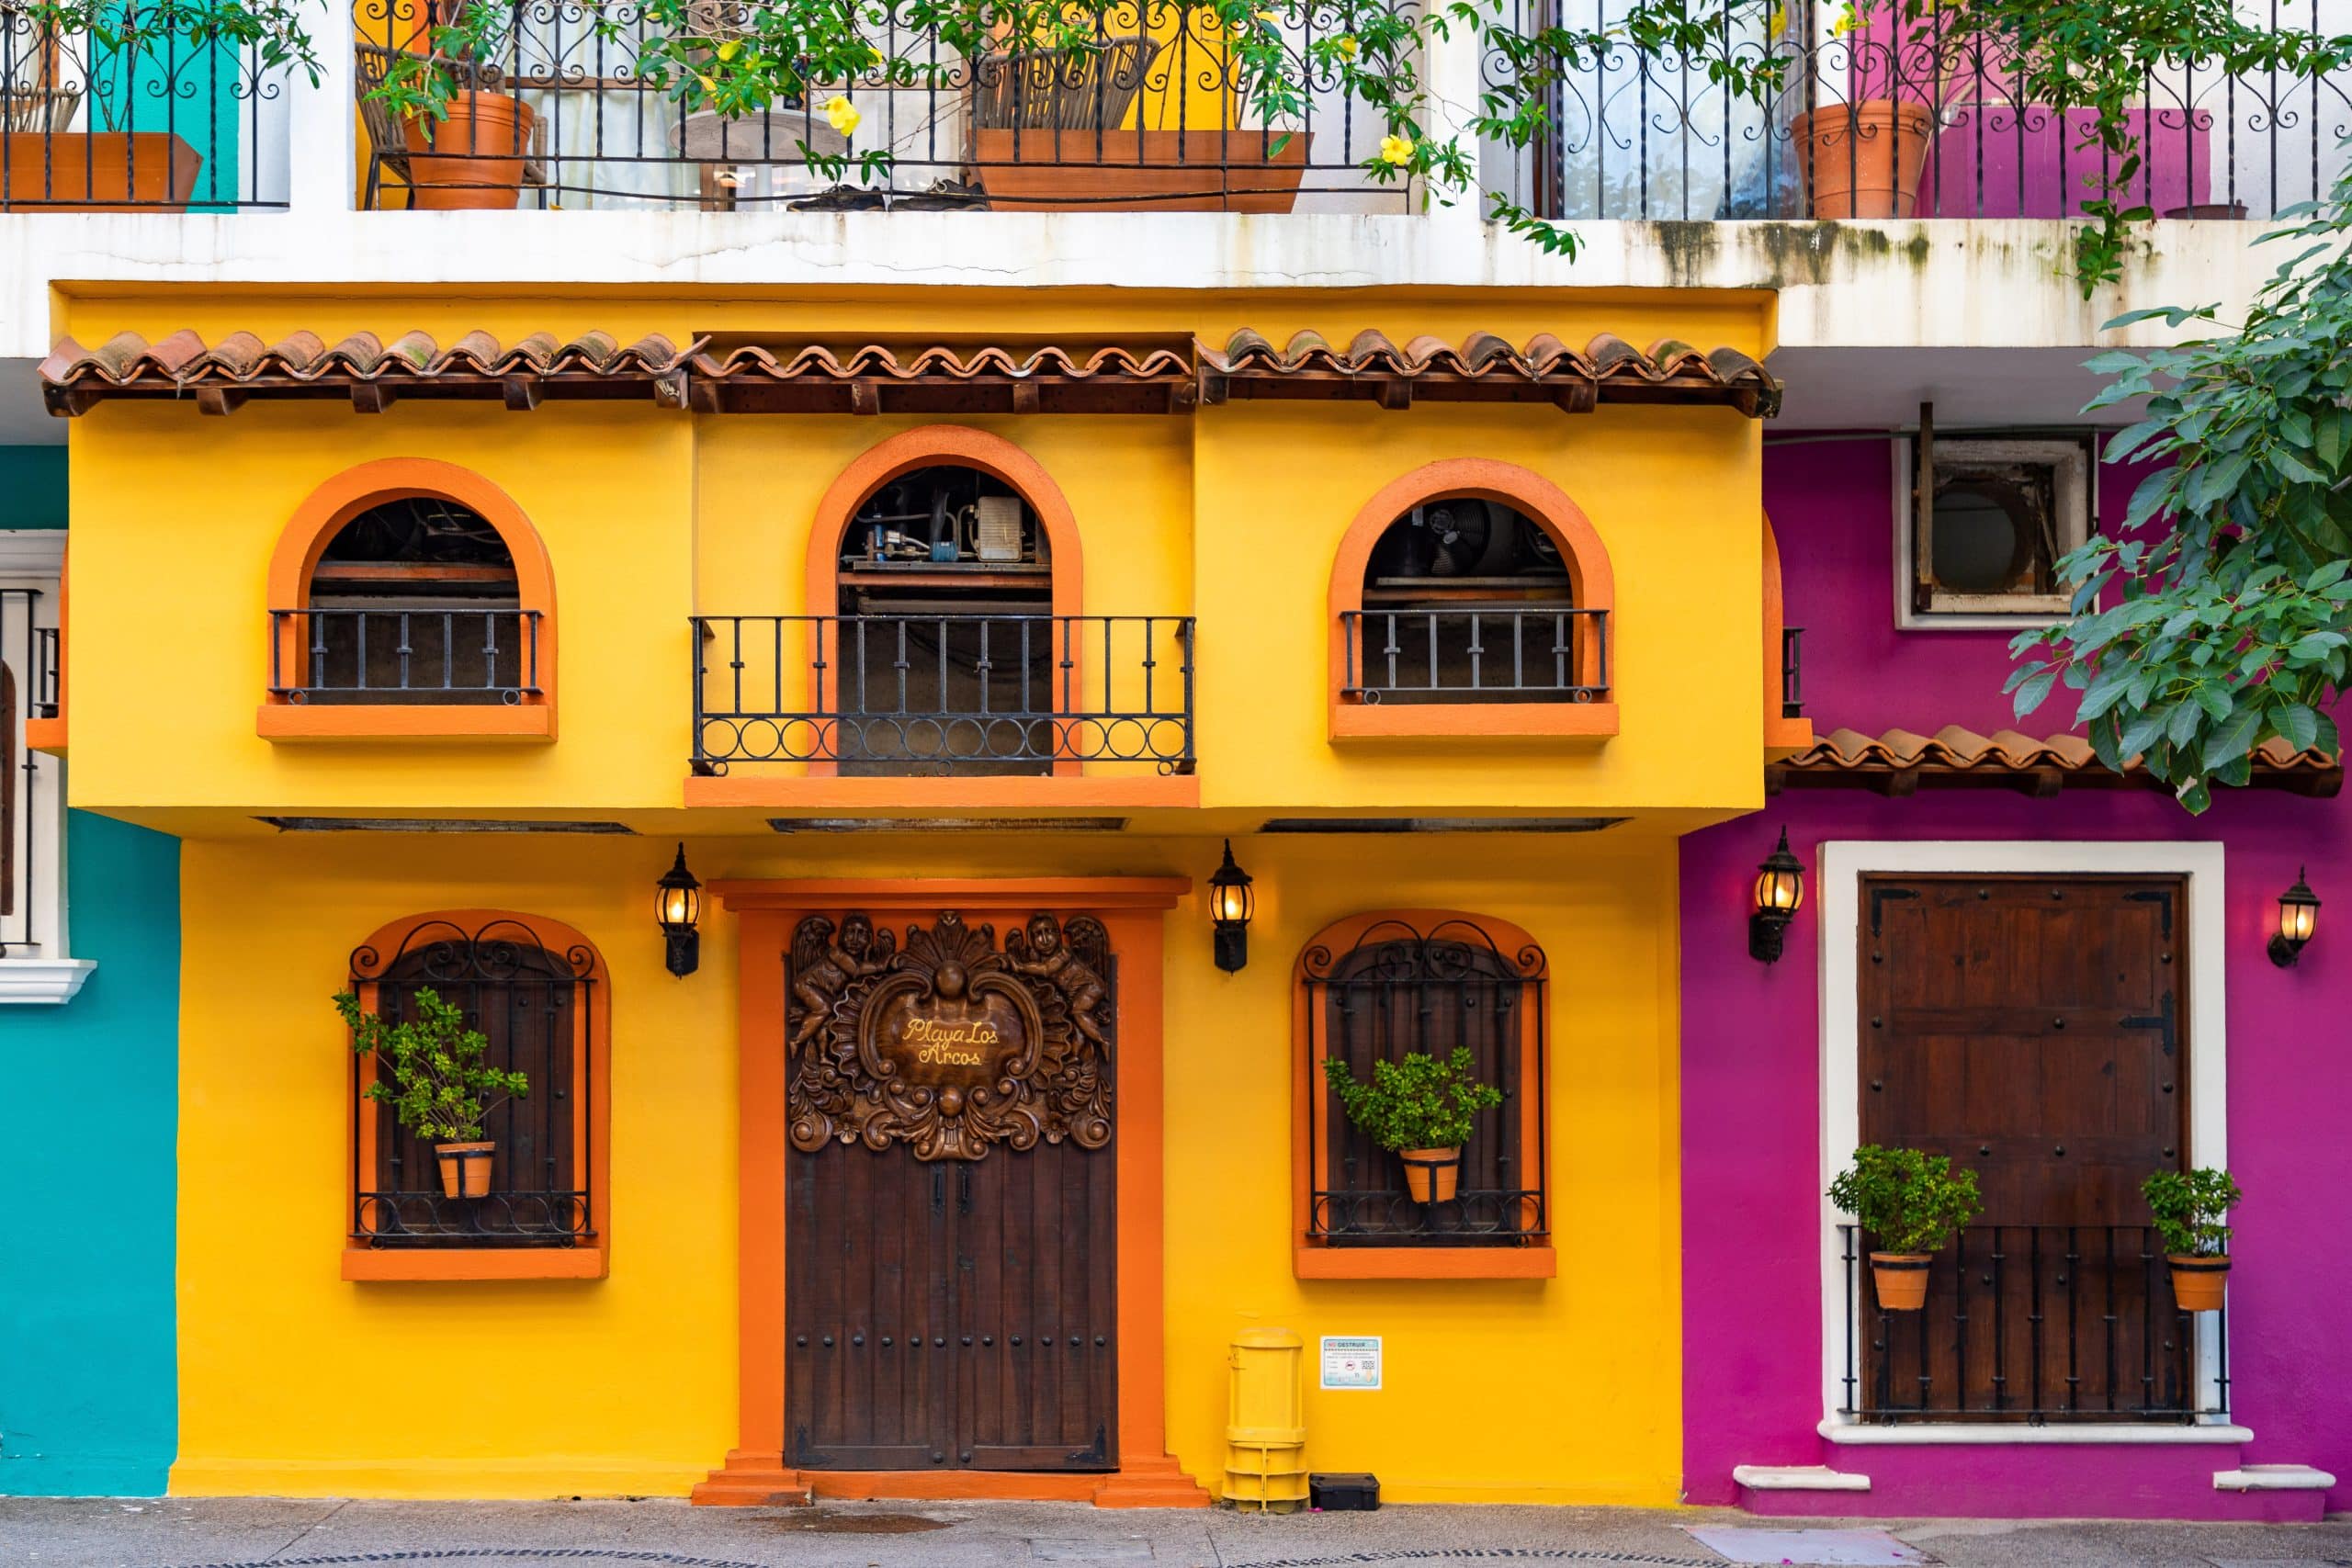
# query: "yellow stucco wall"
{"type": "Point", "coordinates": [295, 1382]}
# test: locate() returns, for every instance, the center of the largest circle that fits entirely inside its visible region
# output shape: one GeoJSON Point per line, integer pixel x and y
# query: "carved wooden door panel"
{"type": "Point", "coordinates": [950, 1291]}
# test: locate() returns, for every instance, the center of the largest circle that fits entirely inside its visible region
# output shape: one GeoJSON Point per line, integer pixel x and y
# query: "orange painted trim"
{"type": "Point", "coordinates": [1592, 584]}
{"type": "Point", "coordinates": [1134, 911]}
{"type": "Point", "coordinates": [935, 446]}
{"type": "Point", "coordinates": [365, 1265]}
{"type": "Point", "coordinates": [592, 1128]}
{"type": "Point", "coordinates": [436, 721]}
{"type": "Point", "coordinates": [322, 516]}
{"type": "Point", "coordinates": [812, 791]}
{"type": "Point", "coordinates": [1424, 1263]}
{"type": "Point", "coordinates": [1782, 737]}
{"type": "Point", "coordinates": [46, 734]}
{"type": "Point", "coordinates": [1311, 1260]}
{"type": "Point", "coordinates": [1489, 721]}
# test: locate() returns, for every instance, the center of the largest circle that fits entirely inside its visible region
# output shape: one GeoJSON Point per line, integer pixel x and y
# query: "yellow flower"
{"type": "Point", "coordinates": [841, 115]}
{"type": "Point", "coordinates": [1347, 45]}
{"type": "Point", "coordinates": [1847, 21]}
{"type": "Point", "coordinates": [1395, 148]}
{"type": "Point", "coordinates": [729, 50]}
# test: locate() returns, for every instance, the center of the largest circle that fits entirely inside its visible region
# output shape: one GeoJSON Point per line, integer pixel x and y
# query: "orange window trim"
{"type": "Point", "coordinates": [1591, 585]}
{"type": "Point", "coordinates": [1782, 737]}
{"type": "Point", "coordinates": [591, 1063]}
{"type": "Point", "coordinates": [938, 446]}
{"type": "Point", "coordinates": [1313, 1260]}
{"type": "Point", "coordinates": [314, 525]}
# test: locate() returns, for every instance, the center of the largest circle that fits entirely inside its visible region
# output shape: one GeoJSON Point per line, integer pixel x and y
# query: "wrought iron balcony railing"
{"type": "Point", "coordinates": [1639, 134]}
{"type": "Point", "coordinates": [1151, 115]}
{"type": "Point", "coordinates": [144, 118]}
{"type": "Point", "coordinates": [2037, 1324]}
{"type": "Point", "coordinates": [1476, 653]}
{"type": "Point", "coordinates": [962, 693]}
{"type": "Point", "coordinates": [404, 656]}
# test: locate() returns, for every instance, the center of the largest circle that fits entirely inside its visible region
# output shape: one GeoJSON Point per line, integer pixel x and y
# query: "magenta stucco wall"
{"type": "Point", "coordinates": [1751, 1091]}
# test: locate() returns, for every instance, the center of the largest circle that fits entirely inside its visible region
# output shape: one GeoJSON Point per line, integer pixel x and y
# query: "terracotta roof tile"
{"type": "Point", "coordinates": [1484, 367]}
{"type": "Point", "coordinates": [944, 377]}
{"type": "Point", "coordinates": [1899, 760]}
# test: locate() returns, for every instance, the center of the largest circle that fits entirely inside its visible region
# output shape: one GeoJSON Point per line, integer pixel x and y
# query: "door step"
{"type": "Point", "coordinates": [2272, 1478]}
{"type": "Point", "coordinates": [1801, 1478]}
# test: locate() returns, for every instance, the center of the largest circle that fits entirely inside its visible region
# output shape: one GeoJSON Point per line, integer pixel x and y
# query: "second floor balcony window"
{"type": "Point", "coordinates": [414, 601]}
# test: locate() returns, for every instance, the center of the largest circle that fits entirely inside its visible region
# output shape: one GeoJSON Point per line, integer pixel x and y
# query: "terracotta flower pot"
{"type": "Point", "coordinates": [1862, 159]}
{"type": "Point", "coordinates": [100, 171]}
{"type": "Point", "coordinates": [1431, 1176]}
{"type": "Point", "coordinates": [465, 1168]}
{"type": "Point", "coordinates": [2198, 1283]}
{"type": "Point", "coordinates": [1151, 171]}
{"type": "Point", "coordinates": [462, 173]}
{"type": "Point", "coordinates": [1901, 1279]}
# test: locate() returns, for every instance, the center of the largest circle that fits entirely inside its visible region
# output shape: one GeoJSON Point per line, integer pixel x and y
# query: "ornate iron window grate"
{"type": "Point", "coordinates": [534, 1008]}
{"type": "Point", "coordinates": [1402, 989]}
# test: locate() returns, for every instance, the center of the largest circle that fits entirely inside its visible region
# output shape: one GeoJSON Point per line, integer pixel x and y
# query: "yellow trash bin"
{"type": "Point", "coordinates": [1265, 1433]}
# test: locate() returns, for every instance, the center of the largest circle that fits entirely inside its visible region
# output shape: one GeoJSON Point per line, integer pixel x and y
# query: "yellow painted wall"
{"type": "Point", "coordinates": [294, 1382]}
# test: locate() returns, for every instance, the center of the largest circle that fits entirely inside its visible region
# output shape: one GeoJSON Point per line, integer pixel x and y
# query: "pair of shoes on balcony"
{"type": "Point", "coordinates": [842, 198]}
{"type": "Point", "coordinates": [942, 196]}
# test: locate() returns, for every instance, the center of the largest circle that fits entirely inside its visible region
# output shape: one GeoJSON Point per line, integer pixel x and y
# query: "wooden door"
{"type": "Point", "coordinates": [950, 1280]}
{"type": "Point", "coordinates": [2032, 1029]}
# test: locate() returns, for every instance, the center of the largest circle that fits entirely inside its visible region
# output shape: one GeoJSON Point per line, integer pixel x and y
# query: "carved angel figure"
{"type": "Point", "coordinates": [1042, 953]}
{"type": "Point", "coordinates": [822, 967]}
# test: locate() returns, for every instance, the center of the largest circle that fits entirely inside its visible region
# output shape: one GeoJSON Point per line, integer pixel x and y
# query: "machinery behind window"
{"type": "Point", "coordinates": [948, 657]}
{"type": "Point", "coordinates": [1988, 519]}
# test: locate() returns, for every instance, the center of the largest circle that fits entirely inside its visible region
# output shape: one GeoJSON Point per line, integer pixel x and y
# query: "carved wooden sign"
{"type": "Point", "coordinates": [949, 1044]}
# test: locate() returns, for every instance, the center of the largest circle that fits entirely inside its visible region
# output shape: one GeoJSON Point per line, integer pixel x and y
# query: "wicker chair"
{"type": "Point", "coordinates": [44, 110]}
{"type": "Point", "coordinates": [1087, 88]}
{"type": "Point", "coordinates": [388, 143]}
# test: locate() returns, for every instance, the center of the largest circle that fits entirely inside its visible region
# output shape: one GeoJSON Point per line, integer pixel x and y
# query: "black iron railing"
{"type": "Point", "coordinates": [2037, 1324]}
{"type": "Point", "coordinates": [404, 656]}
{"type": "Point", "coordinates": [938, 692]}
{"type": "Point", "coordinates": [141, 116]}
{"type": "Point", "coordinates": [1791, 672]}
{"type": "Point", "coordinates": [29, 656]}
{"type": "Point", "coordinates": [1473, 653]}
{"type": "Point", "coordinates": [1655, 135]}
{"type": "Point", "coordinates": [1402, 988]}
{"type": "Point", "coordinates": [1151, 114]}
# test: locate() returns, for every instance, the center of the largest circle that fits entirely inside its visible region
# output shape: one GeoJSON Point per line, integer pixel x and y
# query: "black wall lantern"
{"type": "Point", "coordinates": [1230, 906]}
{"type": "Point", "coordinates": [2298, 918]}
{"type": "Point", "coordinates": [678, 906]}
{"type": "Point", "coordinates": [1779, 888]}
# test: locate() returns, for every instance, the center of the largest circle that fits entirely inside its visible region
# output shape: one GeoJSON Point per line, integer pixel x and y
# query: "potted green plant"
{"type": "Point", "coordinates": [2188, 1208]}
{"type": "Point", "coordinates": [1420, 1108]}
{"type": "Point", "coordinates": [474, 143]}
{"type": "Point", "coordinates": [1909, 1204]}
{"type": "Point", "coordinates": [440, 1087]}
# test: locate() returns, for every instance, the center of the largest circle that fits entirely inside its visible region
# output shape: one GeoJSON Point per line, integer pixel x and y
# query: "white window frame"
{"type": "Point", "coordinates": [2071, 492]}
{"type": "Point", "coordinates": [1839, 867]}
{"type": "Point", "coordinates": [40, 972]}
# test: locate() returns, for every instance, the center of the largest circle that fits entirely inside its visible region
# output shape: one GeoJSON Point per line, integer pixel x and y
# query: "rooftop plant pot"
{"type": "Point", "coordinates": [465, 1168]}
{"type": "Point", "coordinates": [2199, 1283]}
{"type": "Point", "coordinates": [98, 171]}
{"type": "Point", "coordinates": [459, 172]}
{"type": "Point", "coordinates": [1431, 1176]}
{"type": "Point", "coordinates": [1901, 1279]}
{"type": "Point", "coordinates": [1862, 159]}
{"type": "Point", "coordinates": [1151, 171]}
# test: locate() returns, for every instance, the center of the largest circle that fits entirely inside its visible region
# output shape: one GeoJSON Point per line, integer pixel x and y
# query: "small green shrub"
{"type": "Point", "coordinates": [1419, 1102]}
{"type": "Point", "coordinates": [2189, 1210]}
{"type": "Point", "coordinates": [1907, 1201]}
{"type": "Point", "coordinates": [438, 1082]}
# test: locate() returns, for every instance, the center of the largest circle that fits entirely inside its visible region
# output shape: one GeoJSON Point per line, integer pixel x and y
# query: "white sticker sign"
{"type": "Point", "coordinates": [1351, 1361]}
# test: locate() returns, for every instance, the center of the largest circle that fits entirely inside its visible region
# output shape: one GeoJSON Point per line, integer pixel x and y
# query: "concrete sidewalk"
{"type": "Point", "coordinates": [247, 1533]}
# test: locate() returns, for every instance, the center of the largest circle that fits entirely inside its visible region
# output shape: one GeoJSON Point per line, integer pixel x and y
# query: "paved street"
{"type": "Point", "coordinates": [290, 1534]}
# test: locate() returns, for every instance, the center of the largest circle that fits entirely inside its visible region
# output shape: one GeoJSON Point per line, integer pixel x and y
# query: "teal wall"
{"type": "Point", "coordinates": [32, 487]}
{"type": "Point", "coordinates": [89, 1125]}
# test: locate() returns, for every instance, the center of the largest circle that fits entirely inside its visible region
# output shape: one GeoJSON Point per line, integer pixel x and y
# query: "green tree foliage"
{"type": "Point", "coordinates": [2189, 1210]}
{"type": "Point", "coordinates": [1419, 1102]}
{"type": "Point", "coordinates": [2217, 616]}
{"type": "Point", "coordinates": [1904, 1200]}
{"type": "Point", "coordinates": [440, 1089]}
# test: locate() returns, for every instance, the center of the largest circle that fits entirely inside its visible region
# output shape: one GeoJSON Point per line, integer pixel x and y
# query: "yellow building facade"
{"type": "Point", "coordinates": [738, 1176]}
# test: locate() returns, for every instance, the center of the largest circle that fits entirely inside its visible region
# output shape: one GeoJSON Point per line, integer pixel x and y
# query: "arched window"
{"type": "Point", "coordinates": [1471, 597]}
{"type": "Point", "coordinates": [410, 597]}
{"type": "Point", "coordinates": [536, 989]}
{"type": "Point", "coordinates": [1378, 988]}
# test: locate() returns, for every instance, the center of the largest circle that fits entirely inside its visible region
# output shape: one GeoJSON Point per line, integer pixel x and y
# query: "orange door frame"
{"type": "Point", "coordinates": [1133, 909]}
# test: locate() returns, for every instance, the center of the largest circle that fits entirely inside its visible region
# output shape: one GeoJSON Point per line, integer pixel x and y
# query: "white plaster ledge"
{"type": "Point", "coordinates": [1856, 1434]}
{"type": "Point", "coordinates": [1799, 1478]}
{"type": "Point", "coordinates": [2272, 1478]}
{"type": "Point", "coordinates": [43, 980]}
